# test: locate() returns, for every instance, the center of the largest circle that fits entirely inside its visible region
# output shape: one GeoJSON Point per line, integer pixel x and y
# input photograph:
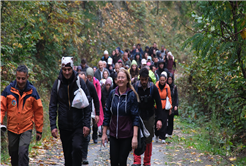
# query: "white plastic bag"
{"type": "Point", "coordinates": [168, 104]}
{"type": "Point", "coordinates": [93, 113]}
{"type": "Point", "coordinates": [3, 128]}
{"type": "Point", "coordinates": [80, 100]}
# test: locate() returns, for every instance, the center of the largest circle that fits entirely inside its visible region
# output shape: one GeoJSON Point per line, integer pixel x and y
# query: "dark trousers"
{"type": "Point", "coordinates": [94, 129]}
{"type": "Point", "coordinates": [170, 124]}
{"type": "Point", "coordinates": [119, 150]}
{"type": "Point", "coordinates": [18, 147]}
{"type": "Point", "coordinates": [85, 144]}
{"type": "Point", "coordinates": [162, 132]}
{"type": "Point", "coordinates": [72, 146]}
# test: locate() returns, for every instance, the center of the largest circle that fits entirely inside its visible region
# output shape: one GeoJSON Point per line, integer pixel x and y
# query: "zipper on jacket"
{"type": "Point", "coordinates": [68, 97]}
{"type": "Point", "coordinates": [117, 118]}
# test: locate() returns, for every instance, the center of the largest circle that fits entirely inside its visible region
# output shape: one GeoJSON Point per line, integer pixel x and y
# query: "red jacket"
{"type": "Point", "coordinates": [22, 111]}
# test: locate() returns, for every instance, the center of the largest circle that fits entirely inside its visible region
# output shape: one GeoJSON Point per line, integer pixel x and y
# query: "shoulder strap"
{"type": "Point", "coordinates": [167, 91]}
{"type": "Point", "coordinates": [78, 81]}
{"type": "Point", "coordinates": [58, 85]}
{"type": "Point", "coordinates": [151, 88]}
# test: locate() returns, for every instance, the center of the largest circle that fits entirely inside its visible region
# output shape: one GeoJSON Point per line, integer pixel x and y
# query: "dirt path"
{"type": "Point", "coordinates": [174, 153]}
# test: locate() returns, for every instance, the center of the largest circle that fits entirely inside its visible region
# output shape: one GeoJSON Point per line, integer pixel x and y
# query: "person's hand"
{"type": "Point", "coordinates": [134, 142]}
{"type": "Point", "coordinates": [158, 125]}
{"type": "Point", "coordinates": [86, 131]}
{"type": "Point", "coordinates": [170, 111]}
{"type": "Point", "coordinates": [54, 133]}
{"type": "Point", "coordinates": [104, 139]}
{"type": "Point", "coordinates": [38, 136]}
{"type": "Point", "coordinates": [96, 119]}
{"type": "Point", "coordinates": [175, 108]}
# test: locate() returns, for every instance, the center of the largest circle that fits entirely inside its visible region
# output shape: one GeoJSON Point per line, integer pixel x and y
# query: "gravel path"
{"type": "Point", "coordinates": [172, 153]}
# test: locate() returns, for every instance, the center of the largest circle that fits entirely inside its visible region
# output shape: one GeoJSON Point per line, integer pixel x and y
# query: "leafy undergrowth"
{"type": "Point", "coordinates": [190, 145]}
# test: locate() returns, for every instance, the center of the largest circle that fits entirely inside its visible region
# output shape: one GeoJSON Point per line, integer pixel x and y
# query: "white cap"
{"type": "Point", "coordinates": [67, 62]}
{"type": "Point", "coordinates": [110, 61]}
{"type": "Point", "coordinates": [149, 58]}
{"type": "Point", "coordinates": [143, 62]}
{"type": "Point", "coordinates": [105, 52]}
{"type": "Point", "coordinates": [164, 73]}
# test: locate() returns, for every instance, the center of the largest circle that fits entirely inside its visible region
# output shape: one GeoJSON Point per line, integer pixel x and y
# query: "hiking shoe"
{"type": "Point", "coordinates": [163, 141]}
{"type": "Point", "coordinates": [85, 162]}
{"type": "Point", "coordinates": [156, 139]}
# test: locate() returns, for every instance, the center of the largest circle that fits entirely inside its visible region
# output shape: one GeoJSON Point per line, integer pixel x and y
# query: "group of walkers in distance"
{"type": "Point", "coordinates": [127, 88]}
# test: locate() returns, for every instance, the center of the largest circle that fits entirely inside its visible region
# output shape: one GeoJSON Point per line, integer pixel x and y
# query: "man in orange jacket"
{"type": "Point", "coordinates": [22, 103]}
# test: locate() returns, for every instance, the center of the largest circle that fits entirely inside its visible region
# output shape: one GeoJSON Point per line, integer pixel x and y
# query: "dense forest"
{"type": "Point", "coordinates": [206, 38]}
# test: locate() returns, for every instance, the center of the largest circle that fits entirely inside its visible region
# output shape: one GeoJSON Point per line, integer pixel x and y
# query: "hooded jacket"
{"type": "Point", "coordinates": [22, 110]}
{"type": "Point", "coordinates": [69, 118]}
{"type": "Point", "coordinates": [121, 113]}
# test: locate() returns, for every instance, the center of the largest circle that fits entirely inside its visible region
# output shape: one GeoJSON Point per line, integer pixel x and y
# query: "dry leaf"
{"type": "Point", "coordinates": [232, 158]}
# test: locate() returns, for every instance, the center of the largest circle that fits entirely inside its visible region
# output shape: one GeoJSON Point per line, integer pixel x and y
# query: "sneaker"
{"type": "Point", "coordinates": [163, 141]}
{"type": "Point", "coordinates": [167, 135]}
{"type": "Point", "coordinates": [95, 141]}
{"type": "Point", "coordinates": [156, 139]}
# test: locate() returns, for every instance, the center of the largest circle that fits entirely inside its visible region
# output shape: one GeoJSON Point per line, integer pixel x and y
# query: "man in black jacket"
{"type": "Point", "coordinates": [149, 95]}
{"type": "Point", "coordinates": [73, 123]}
{"type": "Point", "coordinates": [94, 96]}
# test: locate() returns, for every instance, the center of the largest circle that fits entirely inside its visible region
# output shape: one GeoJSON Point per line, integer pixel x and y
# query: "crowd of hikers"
{"type": "Point", "coordinates": [128, 91]}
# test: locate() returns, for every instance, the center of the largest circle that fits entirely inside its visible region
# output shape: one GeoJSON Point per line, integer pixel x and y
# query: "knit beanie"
{"type": "Point", "coordinates": [89, 71]}
{"type": "Point", "coordinates": [134, 63]}
{"type": "Point", "coordinates": [164, 73]}
{"type": "Point", "coordinates": [108, 81]}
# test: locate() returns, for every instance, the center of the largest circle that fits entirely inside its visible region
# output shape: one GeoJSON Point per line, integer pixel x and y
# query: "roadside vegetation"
{"type": "Point", "coordinates": [207, 40]}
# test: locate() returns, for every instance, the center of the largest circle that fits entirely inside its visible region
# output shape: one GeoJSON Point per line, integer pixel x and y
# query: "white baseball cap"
{"type": "Point", "coordinates": [105, 52]}
{"type": "Point", "coordinates": [143, 62]}
{"type": "Point", "coordinates": [110, 61]}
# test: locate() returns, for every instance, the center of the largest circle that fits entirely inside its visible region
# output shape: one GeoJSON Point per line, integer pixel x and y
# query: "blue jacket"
{"type": "Point", "coordinates": [121, 113]}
